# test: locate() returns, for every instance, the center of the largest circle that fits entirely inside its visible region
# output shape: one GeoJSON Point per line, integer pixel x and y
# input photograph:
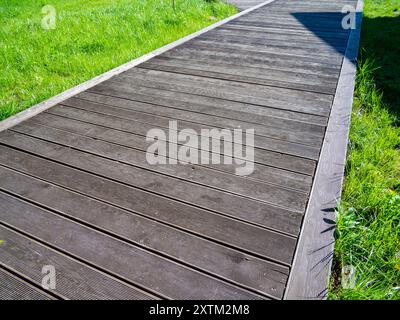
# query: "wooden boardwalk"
{"type": "Point", "coordinates": [77, 193]}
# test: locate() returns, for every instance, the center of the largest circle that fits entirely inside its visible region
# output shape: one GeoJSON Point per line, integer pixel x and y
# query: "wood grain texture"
{"type": "Point", "coordinates": [218, 227]}
{"type": "Point", "coordinates": [14, 288]}
{"type": "Point", "coordinates": [74, 280]}
{"type": "Point", "coordinates": [262, 173]}
{"type": "Point", "coordinates": [42, 106]}
{"type": "Point", "coordinates": [130, 262]}
{"type": "Point", "coordinates": [153, 96]}
{"type": "Point", "coordinates": [218, 260]}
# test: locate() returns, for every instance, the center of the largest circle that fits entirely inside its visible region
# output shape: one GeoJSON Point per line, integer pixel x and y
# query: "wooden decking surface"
{"type": "Point", "coordinates": [77, 193]}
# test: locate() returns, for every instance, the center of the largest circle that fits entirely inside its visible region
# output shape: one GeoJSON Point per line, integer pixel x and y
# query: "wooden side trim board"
{"type": "Point", "coordinates": [51, 102]}
{"type": "Point", "coordinates": [312, 262]}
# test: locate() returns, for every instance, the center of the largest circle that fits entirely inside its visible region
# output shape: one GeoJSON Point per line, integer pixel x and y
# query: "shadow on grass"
{"type": "Point", "coordinates": [380, 39]}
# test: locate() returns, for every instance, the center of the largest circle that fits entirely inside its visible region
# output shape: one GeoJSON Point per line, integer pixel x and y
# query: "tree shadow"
{"type": "Point", "coordinates": [327, 26]}
{"type": "Point", "coordinates": [380, 39]}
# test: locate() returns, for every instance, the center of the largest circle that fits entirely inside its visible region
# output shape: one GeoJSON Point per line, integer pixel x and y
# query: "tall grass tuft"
{"type": "Point", "coordinates": [368, 224]}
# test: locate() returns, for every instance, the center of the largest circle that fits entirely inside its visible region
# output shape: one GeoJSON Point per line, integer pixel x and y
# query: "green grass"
{"type": "Point", "coordinates": [380, 41]}
{"type": "Point", "coordinates": [368, 225]}
{"type": "Point", "coordinates": [90, 38]}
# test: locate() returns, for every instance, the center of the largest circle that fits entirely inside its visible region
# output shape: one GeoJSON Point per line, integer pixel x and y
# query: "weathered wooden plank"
{"type": "Point", "coordinates": [262, 137]}
{"type": "Point", "coordinates": [237, 25]}
{"type": "Point", "coordinates": [310, 3]}
{"type": "Point", "coordinates": [314, 15]}
{"type": "Point", "coordinates": [322, 11]}
{"type": "Point", "coordinates": [262, 61]}
{"type": "Point", "coordinates": [42, 106]}
{"type": "Point", "coordinates": [261, 173]}
{"type": "Point", "coordinates": [74, 280]}
{"type": "Point", "coordinates": [262, 191]}
{"type": "Point", "coordinates": [263, 157]}
{"type": "Point", "coordinates": [327, 18]}
{"type": "Point", "coordinates": [217, 227]}
{"type": "Point", "coordinates": [257, 67]}
{"type": "Point", "coordinates": [229, 90]}
{"type": "Point", "coordinates": [313, 107]}
{"type": "Point", "coordinates": [316, 48]}
{"type": "Point", "coordinates": [294, 27]}
{"type": "Point", "coordinates": [332, 62]}
{"type": "Point", "coordinates": [213, 68]}
{"type": "Point", "coordinates": [174, 187]}
{"type": "Point", "coordinates": [14, 288]}
{"type": "Point", "coordinates": [215, 116]}
{"type": "Point", "coordinates": [130, 262]}
{"type": "Point", "coordinates": [332, 59]}
{"type": "Point", "coordinates": [317, 106]}
{"type": "Point", "coordinates": [317, 41]}
{"type": "Point", "coordinates": [312, 264]}
{"type": "Point", "coordinates": [315, 19]}
{"type": "Point", "coordinates": [248, 111]}
{"type": "Point", "coordinates": [220, 261]}
{"type": "Point", "coordinates": [269, 66]}
{"type": "Point", "coordinates": [130, 125]}
{"type": "Point", "coordinates": [244, 4]}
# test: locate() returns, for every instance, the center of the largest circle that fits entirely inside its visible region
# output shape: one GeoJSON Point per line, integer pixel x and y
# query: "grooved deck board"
{"type": "Point", "coordinates": [75, 280]}
{"type": "Point", "coordinates": [83, 242]}
{"type": "Point", "coordinates": [14, 288]}
{"type": "Point", "coordinates": [242, 58]}
{"type": "Point", "coordinates": [153, 96]}
{"type": "Point", "coordinates": [263, 134]}
{"type": "Point", "coordinates": [77, 192]}
{"type": "Point", "coordinates": [138, 229]}
{"type": "Point", "coordinates": [219, 69]}
{"type": "Point", "coordinates": [62, 126]}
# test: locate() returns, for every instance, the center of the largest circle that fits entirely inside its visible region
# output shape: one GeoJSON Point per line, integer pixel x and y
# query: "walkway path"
{"type": "Point", "coordinates": [77, 193]}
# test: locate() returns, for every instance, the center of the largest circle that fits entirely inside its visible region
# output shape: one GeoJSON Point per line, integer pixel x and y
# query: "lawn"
{"type": "Point", "coordinates": [368, 225]}
{"type": "Point", "coordinates": [90, 37]}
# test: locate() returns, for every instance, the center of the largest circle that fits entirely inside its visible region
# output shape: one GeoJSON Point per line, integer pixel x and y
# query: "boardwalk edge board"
{"type": "Point", "coordinates": [51, 102]}
{"type": "Point", "coordinates": [311, 268]}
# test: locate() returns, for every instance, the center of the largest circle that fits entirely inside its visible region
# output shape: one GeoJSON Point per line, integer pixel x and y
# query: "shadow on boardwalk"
{"type": "Point", "coordinates": [384, 54]}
